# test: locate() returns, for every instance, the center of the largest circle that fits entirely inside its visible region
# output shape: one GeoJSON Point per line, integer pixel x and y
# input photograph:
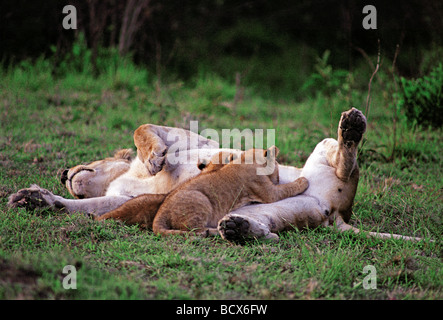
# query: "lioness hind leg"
{"type": "Point", "coordinates": [33, 198]}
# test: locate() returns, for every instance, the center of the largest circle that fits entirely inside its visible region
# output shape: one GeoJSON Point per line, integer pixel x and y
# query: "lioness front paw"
{"type": "Point", "coordinates": [352, 125]}
{"type": "Point", "coordinates": [156, 160]}
{"type": "Point", "coordinates": [31, 198]}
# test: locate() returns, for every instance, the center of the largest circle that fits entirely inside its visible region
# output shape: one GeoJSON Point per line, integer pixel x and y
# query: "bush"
{"type": "Point", "coordinates": [422, 98]}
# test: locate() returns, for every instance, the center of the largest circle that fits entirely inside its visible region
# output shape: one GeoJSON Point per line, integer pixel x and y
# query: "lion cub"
{"type": "Point", "coordinates": [198, 204]}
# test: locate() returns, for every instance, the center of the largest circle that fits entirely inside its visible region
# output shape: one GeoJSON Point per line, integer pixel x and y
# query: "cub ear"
{"type": "Point", "coordinates": [202, 164]}
{"type": "Point", "coordinates": [231, 157]}
{"type": "Point", "coordinates": [271, 152]}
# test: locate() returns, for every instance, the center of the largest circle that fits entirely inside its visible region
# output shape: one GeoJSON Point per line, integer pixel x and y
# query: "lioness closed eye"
{"type": "Point", "coordinates": [197, 205]}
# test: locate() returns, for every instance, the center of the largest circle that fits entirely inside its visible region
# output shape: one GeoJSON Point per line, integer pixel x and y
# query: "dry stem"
{"type": "Point", "coordinates": [370, 81]}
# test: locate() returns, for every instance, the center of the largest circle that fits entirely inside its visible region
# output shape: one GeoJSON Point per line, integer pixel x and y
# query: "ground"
{"type": "Point", "coordinates": [51, 124]}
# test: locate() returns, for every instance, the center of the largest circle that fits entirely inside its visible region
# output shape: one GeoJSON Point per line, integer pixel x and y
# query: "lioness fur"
{"type": "Point", "coordinates": [331, 169]}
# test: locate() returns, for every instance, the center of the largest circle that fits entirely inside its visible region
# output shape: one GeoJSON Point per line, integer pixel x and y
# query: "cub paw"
{"type": "Point", "coordinates": [352, 125]}
{"type": "Point", "coordinates": [302, 184]}
{"type": "Point", "coordinates": [30, 198]}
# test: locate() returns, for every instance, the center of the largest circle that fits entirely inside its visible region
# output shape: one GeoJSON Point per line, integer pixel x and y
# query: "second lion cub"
{"type": "Point", "coordinates": [198, 204]}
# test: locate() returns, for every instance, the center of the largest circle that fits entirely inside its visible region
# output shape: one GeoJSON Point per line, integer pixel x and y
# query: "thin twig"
{"type": "Point", "coordinates": [370, 81]}
{"type": "Point", "coordinates": [369, 61]}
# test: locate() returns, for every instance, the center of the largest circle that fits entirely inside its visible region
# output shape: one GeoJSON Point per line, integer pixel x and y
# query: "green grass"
{"type": "Point", "coordinates": [48, 124]}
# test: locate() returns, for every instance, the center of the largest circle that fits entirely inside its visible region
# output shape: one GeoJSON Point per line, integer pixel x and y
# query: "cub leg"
{"type": "Point", "coordinates": [282, 191]}
{"type": "Point", "coordinates": [140, 210]}
{"type": "Point", "coordinates": [180, 215]}
{"type": "Point", "coordinates": [351, 127]}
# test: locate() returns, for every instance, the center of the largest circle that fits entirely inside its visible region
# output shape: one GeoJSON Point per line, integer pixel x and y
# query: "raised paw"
{"type": "Point", "coordinates": [30, 198]}
{"type": "Point", "coordinates": [352, 126]}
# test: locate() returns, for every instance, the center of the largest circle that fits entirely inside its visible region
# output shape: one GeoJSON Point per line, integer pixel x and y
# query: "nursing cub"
{"type": "Point", "coordinates": [225, 184]}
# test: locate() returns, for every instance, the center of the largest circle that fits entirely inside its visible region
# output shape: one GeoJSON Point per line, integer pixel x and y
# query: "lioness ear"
{"type": "Point", "coordinates": [125, 154]}
{"type": "Point", "coordinates": [271, 151]}
{"type": "Point", "coordinates": [64, 177]}
{"type": "Point", "coordinates": [231, 157]}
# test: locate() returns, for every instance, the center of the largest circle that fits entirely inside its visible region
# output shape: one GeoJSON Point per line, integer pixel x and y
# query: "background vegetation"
{"type": "Point", "coordinates": [69, 97]}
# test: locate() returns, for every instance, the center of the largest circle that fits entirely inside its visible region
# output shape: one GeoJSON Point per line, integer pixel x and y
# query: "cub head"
{"type": "Point", "coordinates": [93, 179]}
{"type": "Point", "coordinates": [217, 161]}
{"type": "Point", "coordinates": [263, 160]}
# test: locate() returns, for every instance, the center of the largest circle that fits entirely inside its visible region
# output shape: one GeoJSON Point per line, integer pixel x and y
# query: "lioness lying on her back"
{"type": "Point", "coordinates": [199, 204]}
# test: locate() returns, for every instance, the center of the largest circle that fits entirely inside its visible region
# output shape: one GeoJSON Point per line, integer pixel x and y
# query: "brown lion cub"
{"type": "Point", "coordinates": [198, 204]}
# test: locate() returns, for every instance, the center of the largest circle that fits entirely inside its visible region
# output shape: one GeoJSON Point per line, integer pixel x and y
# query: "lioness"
{"type": "Point", "coordinates": [331, 170]}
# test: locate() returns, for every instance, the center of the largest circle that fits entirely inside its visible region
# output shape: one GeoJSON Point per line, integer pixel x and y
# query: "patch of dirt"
{"type": "Point", "coordinates": [21, 282]}
{"type": "Point", "coordinates": [13, 274]}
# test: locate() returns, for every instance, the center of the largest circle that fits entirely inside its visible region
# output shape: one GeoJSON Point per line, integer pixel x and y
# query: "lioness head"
{"type": "Point", "coordinates": [93, 179]}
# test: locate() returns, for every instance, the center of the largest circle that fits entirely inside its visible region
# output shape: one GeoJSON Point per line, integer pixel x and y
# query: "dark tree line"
{"type": "Point", "coordinates": [179, 34]}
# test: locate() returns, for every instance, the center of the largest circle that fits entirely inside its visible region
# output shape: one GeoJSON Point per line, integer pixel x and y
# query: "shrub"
{"type": "Point", "coordinates": [422, 98]}
{"type": "Point", "coordinates": [326, 79]}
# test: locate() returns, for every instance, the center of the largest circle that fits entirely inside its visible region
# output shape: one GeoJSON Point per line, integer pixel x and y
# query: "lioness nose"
{"type": "Point", "coordinates": [64, 177]}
